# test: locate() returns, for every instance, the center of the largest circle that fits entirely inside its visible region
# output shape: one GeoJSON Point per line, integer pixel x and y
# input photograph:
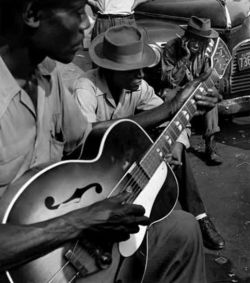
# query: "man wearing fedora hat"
{"type": "Point", "coordinates": [183, 60]}
{"type": "Point", "coordinates": [117, 90]}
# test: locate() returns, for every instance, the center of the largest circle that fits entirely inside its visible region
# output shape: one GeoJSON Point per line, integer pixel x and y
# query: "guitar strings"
{"type": "Point", "coordinates": [63, 267]}
{"type": "Point", "coordinates": [139, 174]}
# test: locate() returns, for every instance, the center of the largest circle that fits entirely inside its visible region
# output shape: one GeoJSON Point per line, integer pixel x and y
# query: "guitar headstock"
{"type": "Point", "coordinates": [220, 57]}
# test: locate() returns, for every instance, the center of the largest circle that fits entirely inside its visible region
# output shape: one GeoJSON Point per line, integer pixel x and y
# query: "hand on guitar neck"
{"type": "Point", "coordinates": [204, 102]}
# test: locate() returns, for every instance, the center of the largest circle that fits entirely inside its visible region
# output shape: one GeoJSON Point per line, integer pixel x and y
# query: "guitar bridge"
{"type": "Point", "coordinates": [77, 263]}
{"type": "Point", "coordinates": [88, 259]}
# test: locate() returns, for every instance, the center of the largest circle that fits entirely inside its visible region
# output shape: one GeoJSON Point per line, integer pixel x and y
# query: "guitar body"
{"type": "Point", "coordinates": [72, 184]}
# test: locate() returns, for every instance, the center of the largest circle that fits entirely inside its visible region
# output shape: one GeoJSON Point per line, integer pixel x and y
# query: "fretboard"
{"type": "Point", "coordinates": [166, 141]}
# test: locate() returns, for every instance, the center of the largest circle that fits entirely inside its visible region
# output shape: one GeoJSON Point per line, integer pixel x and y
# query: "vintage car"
{"type": "Point", "coordinates": [231, 18]}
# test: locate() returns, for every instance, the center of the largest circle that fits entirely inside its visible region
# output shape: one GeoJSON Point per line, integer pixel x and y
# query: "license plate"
{"type": "Point", "coordinates": [243, 60]}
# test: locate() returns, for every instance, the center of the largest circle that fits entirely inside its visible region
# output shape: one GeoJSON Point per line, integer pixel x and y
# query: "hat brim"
{"type": "Point", "coordinates": [214, 33]}
{"type": "Point", "coordinates": [149, 57]}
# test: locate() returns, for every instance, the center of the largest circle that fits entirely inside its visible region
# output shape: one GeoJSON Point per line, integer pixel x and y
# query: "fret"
{"type": "Point", "coordinates": [166, 148]}
{"type": "Point", "coordinates": [152, 160]}
{"type": "Point", "coordinates": [192, 108]}
{"type": "Point", "coordinates": [189, 111]}
{"type": "Point", "coordinates": [173, 132]}
{"type": "Point", "coordinates": [182, 119]}
{"type": "Point", "coordinates": [134, 182]}
{"type": "Point", "coordinates": [139, 179]}
{"type": "Point", "coordinates": [167, 141]}
{"type": "Point", "coordinates": [178, 124]}
{"type": "Point", "coordinates": [176, 128]}
{"type": "Point", "coordinates": [186, 113]}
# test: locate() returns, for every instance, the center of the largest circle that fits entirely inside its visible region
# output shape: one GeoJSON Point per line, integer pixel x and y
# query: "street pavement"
{"type": "Point", "coordinates": [225, 189]}
{"type": "Point", "coordinates": [226, 193]}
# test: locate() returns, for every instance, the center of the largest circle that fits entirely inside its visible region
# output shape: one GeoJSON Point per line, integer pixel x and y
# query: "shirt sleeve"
{"type": "Point", "coordinates": [147, 99]}
{"type": "Point", "coordinates": [184, 138]}
{"type": "Point", "coordinates": [173, 69]}
{"type": "Point", "coordinates": [84, 95]}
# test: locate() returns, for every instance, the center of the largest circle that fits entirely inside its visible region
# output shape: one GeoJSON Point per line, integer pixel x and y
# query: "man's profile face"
{"type": "Point", "coordinates": [61, 30]}
{"type": "Point", "coordinates": [130, 80]}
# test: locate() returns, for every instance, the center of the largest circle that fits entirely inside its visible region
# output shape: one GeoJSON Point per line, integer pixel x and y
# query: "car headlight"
{"type": "Point", "coordinates": [158, 52]}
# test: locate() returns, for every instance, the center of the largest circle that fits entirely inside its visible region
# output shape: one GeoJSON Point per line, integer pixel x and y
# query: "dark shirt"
{"type": "Point", "coordinates": [177, 70]}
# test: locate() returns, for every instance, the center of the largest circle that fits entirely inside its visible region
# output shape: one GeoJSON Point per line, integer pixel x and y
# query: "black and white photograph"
{"type": "Point", "coordinates": [124, 141]}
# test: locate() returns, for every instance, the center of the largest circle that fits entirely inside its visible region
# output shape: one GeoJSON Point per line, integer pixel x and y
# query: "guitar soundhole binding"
{"type": "Point", "coordinates": [76, 196]}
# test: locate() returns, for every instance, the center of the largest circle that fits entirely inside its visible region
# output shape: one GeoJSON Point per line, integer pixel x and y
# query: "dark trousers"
{"type": "Point", "coordinates": [189, 196]}
{"type": "Point", "coordinates": [211, 121]}
{"type": "Point", "coordinates": [175, 251]}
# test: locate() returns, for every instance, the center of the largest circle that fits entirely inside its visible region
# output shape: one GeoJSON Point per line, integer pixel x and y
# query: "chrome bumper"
{"type": "Point", "coordinates": [238, 105]}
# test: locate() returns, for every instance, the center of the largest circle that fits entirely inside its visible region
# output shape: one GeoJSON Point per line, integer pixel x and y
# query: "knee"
{"type": "Point", "coordinates": [187, 231]}
{"type": "Point", "coordinates": [179, 229]}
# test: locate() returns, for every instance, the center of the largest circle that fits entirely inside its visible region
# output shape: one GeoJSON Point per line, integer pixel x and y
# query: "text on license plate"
{"type": "Point", "coordinates": [243, 60]}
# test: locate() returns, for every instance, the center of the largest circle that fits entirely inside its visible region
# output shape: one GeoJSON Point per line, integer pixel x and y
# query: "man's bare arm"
{"type": "Point", "coordinates": [22, 243]}
{"type": "Point", "coordinates": [166, 111]}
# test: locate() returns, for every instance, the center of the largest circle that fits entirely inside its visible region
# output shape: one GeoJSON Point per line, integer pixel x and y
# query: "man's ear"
{"type": "Point", "coordinates": [31, 15]}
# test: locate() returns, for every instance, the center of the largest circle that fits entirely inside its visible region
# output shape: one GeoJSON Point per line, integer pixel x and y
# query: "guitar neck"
{"type": "Point", "coordinates": [166, 141]}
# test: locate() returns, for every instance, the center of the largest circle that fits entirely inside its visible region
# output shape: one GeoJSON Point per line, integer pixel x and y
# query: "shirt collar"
{"type": "Point", "coordinates": [46, 67]}
{"type": "Point", "coordinates": [101, 84]}
{"type": "Point", "coordinates": [9, 86]}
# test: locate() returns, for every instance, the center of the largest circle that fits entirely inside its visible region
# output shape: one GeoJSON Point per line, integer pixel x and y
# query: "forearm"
{"type": "Point", "coordinates": [155, 117]}
{"type": "Point", "coordinates": [147, 119]}
{"type": "Point", "coordinates": [20, 244]}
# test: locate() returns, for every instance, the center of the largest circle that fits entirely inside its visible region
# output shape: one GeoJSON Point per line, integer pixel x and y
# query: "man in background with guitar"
{"type": "Point", "coordinates": [39, 122]}
{"type": "Point", "coordinates": [184, 59]}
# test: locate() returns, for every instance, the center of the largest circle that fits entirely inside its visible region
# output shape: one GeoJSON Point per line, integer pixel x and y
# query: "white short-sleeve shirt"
{"type": "Point", "coordinates": [122, 7]}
